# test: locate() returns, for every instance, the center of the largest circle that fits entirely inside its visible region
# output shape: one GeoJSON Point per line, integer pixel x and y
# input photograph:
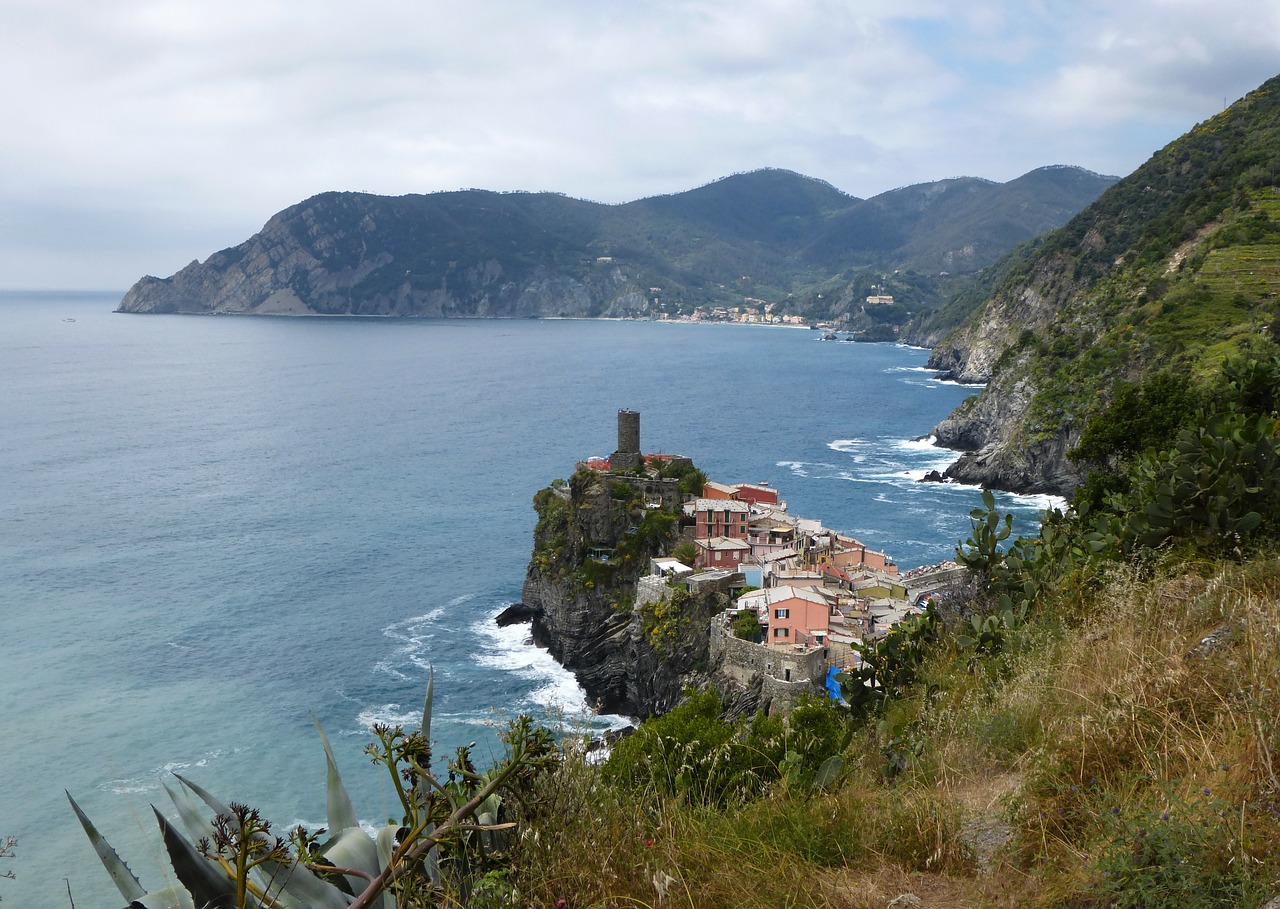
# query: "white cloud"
{"type": "Point", "coordinates": [207, 117]}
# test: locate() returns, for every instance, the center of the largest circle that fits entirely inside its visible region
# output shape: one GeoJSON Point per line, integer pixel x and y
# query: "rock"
{"type": "Point", "coordinates": [988, 430]}
{"type": "Point", "coordinates": [933, 477]}
{"type": "Point", "coordinates": [516, 614]}
{"type": "Point", "coordinates": [985, 837]}
{"type": "Point", "coordinates": [585, 615]}
{"type": "Point", "coordinates": [904, 901]}
{"type": "Point", "coordinates": [1214, 641]}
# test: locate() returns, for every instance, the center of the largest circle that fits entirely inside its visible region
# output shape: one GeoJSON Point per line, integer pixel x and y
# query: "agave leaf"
{"type": "Point", "coordinates": [342, 814]}
{"type": "Point", "coordinates": [294, 886]}
{"type": "Point", "coordinates": [422, 788]}
{"type": "Point", "coordinates": [431, 861]}
{"type": "Point", "coordinates": [352, 848]}
{"type": "Point", "coordinates": [128, 885]}
{"type": "Point", "coordinates": [168, 898]}
{"type": "Point", "coordinates": [196, 824]}
{"type": "Point", "coordinates": [386, 849]}
{"type": "Point", "coordinates": [208, 885]}
{"type": "Point", "coordinates": [205, 796]}
{"type": "Point", "coordinates": [426, 706]}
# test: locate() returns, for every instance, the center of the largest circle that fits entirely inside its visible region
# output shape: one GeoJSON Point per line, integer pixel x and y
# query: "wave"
{"type": "Point", "coordinates": [845, 445]}
{"type": "Point", "coordinates": [151, 781]}
{"type": "Point", "coordinates": [388, 715]}
{"type": "Point", "coordinates": [1043, 501]}
{"type": "Point", "coordinates": [552, 688]}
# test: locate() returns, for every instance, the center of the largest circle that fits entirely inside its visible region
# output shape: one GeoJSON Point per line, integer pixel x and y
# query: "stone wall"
{"type": "Point", "coordinates": [650, 589]}
{"type": "Point", "coordinates": [784, 676]}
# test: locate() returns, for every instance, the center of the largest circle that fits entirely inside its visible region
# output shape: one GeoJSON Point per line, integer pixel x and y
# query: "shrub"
{"type": "Point", "coordinates": [746, 625]}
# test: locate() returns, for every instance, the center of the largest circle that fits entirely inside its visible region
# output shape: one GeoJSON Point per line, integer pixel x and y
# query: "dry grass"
{"type": "Point", "coordinates": [1077, 739]}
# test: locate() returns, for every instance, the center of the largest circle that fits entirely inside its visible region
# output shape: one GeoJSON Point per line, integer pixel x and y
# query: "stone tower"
{"type": "Point", "coordinates": [628, 456]}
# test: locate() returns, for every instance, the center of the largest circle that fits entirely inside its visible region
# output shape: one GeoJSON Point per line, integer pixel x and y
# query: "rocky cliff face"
{"type": "Point", "coordinates": [996, 457]}
{"type": "Point", "coordinates": [633, 660]}
{"type": "Point", "coordinates": [609, 652]}
{"type": "Point", "coordinates": [350, 254]}
{"type": "Point", "coordinates": [1001, 448]}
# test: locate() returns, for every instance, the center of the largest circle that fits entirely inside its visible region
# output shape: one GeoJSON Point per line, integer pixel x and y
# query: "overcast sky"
{"type": "Point", "coordinates": [137, 136]}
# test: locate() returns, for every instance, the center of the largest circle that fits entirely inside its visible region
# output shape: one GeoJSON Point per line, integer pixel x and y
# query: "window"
{"type": "Point", "coordinates": [782, 632]}
{"type": "Point", "coordinates": [782, 613]}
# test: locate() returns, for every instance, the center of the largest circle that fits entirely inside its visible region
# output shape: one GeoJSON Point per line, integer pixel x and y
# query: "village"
{"type": "Point", "coordinates": [805, 596]}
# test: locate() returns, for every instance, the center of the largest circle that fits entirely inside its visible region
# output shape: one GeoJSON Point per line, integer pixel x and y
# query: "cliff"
{"type": "Point", "coordinates": [447, 255]}
{"type": "Point", "coordinates": [1174, 269]}
{"type": "Point", "coordinates": [593, 542]}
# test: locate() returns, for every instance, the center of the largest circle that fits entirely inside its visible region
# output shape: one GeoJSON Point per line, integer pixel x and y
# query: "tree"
{"type": "Point", "coordinates": [686, 552]}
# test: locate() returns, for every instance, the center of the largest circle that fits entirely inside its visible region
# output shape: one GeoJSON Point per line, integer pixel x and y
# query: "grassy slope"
{"type": "Point", "coordinates": [1105, 759]}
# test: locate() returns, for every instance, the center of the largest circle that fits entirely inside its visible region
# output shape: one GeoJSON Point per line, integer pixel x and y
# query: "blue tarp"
{"type": "Point", "coordinates": [833, 687]}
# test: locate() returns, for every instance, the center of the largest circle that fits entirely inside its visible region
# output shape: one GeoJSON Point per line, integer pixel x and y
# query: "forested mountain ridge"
{"type": "Point", "coordinates": [768, 237]}
{"type": "Point", "coordinates": [1175, 268]}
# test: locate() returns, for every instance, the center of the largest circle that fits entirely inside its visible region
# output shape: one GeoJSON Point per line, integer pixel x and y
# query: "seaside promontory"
{"type": "Point", "coordinates": [639, 562]}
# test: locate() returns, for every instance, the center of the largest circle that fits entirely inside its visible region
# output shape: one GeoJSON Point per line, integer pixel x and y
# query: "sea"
{"type": "Point", "coordinates": [216, 531]}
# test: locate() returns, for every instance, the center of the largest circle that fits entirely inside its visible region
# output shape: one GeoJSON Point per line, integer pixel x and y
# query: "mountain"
{"type": "Point", "coordinates": [1172, 271]}
{"type": "Point", "coordinates": [769, 235]}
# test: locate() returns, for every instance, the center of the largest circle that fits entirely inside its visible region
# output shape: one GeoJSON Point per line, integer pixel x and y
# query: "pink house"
{"type": "Point", "coordinates": [721, 518]}
{"type": "Point", "coordinates": [797, 615]}
{"type": "Point", "coordinates": [722, 552]}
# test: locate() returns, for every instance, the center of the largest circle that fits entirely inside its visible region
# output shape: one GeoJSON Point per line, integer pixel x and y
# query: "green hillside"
{"type": "Point", "coordinates": [1174, 268]}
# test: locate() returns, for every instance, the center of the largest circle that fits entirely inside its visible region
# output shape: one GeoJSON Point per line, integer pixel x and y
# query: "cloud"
{"type": "Point", "coordinates": [201, 119]}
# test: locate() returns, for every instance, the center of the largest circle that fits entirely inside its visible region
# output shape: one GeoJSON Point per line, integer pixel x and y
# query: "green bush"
{"type": "Point", "coordinates": [1184, 856]}
{"type": "Point", "coordinates": [1219, 486]}
{"type": "Point", "coordinates": [746, 625]}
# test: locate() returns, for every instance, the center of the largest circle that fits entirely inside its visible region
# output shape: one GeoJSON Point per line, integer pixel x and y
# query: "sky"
{"type": "Point", "coordinates": [137, 136]}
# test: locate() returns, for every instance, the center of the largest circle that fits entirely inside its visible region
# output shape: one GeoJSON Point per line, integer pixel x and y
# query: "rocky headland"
{"type": "Point", "coordinates": [592, 543]}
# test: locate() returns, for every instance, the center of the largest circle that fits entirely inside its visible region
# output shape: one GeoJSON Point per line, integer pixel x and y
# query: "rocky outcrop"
{"type": "Point", "coordinates": [593, 541]}
{"type": "Point", "coordinates": [998, 451]}
{"type": "Point", "coordinates": [609, 652]}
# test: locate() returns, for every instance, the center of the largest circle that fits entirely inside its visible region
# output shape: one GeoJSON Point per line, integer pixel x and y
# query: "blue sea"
{"type": "Point", "coordinates": [215, 528]}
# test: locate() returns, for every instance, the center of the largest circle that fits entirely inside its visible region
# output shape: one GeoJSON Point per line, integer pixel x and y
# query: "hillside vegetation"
{"type": "Point", "coordinates": [1176, 268]}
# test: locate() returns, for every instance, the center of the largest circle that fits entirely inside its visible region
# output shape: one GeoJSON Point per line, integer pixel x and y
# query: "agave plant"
{"type": "Point", "coordinates": [232, 861]}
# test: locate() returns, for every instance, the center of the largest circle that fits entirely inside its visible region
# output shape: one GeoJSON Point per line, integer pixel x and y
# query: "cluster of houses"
{"type": "Point", "coordinates": [814, 592]}
{"type": "Point", "coordinates": [816, 589]}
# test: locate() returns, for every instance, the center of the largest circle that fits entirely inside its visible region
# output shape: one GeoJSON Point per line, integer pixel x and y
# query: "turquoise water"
{"type": "Point", "coordinates": [215, 527]}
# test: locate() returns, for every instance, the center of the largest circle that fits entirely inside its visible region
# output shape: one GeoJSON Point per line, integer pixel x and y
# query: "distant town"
{"type": "Point", "coordinates": [753, 311]}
